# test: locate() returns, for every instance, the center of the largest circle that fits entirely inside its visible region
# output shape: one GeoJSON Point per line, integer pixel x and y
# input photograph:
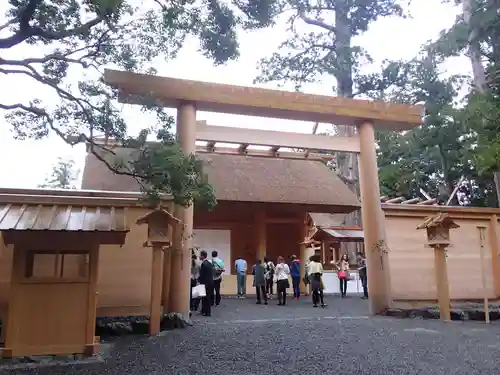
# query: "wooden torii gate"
{"type": "Point", "coordinates": [188, 97]}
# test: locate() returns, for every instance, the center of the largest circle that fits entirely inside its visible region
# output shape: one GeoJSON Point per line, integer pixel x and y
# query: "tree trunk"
{"type": "Point", "coordinates": [475, 57]}
{"type": "Point", "coordinates": [347, 163]}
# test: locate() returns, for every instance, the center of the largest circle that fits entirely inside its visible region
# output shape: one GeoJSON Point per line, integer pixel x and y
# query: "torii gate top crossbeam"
{"type": "Point", "coordinates": [213, 97]}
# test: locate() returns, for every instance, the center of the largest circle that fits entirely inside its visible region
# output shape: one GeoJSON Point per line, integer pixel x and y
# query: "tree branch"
{"type": "Point", "coordinates": [9, 23]}
{"type": "Point", "coordinates": [27, 31]}
{"type": "Point", "coordinates": [313, 22]}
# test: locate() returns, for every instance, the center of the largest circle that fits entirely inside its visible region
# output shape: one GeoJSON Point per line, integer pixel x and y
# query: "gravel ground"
{"type": "Point", "coordinates": [242, 338]}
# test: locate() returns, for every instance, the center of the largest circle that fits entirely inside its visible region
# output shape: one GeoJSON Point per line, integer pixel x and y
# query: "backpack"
{"type": "Point", "coordinates": [269, 270]}
{"type": "Point", "coordinates": [217, 269]}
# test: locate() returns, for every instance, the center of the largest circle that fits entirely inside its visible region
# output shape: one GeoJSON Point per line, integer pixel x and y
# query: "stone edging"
{"type": "Point", "coordinates": [476, 314]}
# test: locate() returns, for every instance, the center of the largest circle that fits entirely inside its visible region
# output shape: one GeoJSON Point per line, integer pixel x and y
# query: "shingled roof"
{"type": "Point", "coordinates": [247, 179]}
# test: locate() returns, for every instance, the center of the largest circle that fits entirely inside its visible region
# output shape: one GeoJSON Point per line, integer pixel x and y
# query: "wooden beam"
{"type": "Point", "coordinates": [427, 202]}
{"type": "Point", "coordinates": [261, 234]}
{"type": "Point", "coordinates": [224, 134]}
{"type": "Point", "coordinates": [252, 101]}
{"type": "Point", "coordinates": [395, 200]}
{"type": "Point", "coordinates": [455, 190]}
{"type": "Point", "coordinates": [265, 154]}
{"type": "Point", "coordinates": [424, 193]}
{"type": "Point", "coordinates": [494, 247]}
{"type": "Point", "coordinates": [411, 201]}
{"type": "Point", "coordinates": [156, 290]}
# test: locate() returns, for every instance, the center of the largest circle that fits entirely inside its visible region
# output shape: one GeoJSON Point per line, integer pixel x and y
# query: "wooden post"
{"type": "Point", "coordinates": [92, 271]}
{"type": "Point", "coordinates": [303, 252]}
{"type": "Point", "coordinates": [166, 274]}
{"type": "Point", "coordinates": [156, 284]}
{"type": "Point", "coordinates": [482, 239]}
{"type": "Point", "coordinates": [261, 229]}
{"type": "Point", "coordinates": [443, 289]}
{"type": "Point", "coordinates": [493, 240]}
{"type": "Point", "coordinates": [376, 250]}
{"type": "Point", "coordinates": [181, 256]}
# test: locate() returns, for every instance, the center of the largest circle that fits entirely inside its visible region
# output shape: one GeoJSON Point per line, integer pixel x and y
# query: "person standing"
{"type": "Point", "coordinates": [259, 281]}
{"type": "Point", "coordinates": [240, 265]}
{"type": "Point", "coordinates": [218, 264]}
{"type": "Point", "coordinates": [269, 276]}
{"type": "Point", "coordinates": [315, 277]}
{"type": "Point", "coordinates": [343, 274]}
{"type": "Point", "coordinates": [281, 276]}
{"type": "Point", "coordinates": [361, 260]}
{"type": "Point", "coordinates": [207, 279]}
{"type": "Point", "coordinates": [195, 275]}
{"type": "Point", "coordinates": [295, 274]}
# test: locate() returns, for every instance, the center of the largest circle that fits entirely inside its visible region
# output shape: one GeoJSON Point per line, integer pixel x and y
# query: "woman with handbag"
{"type": "Point", "coordinates": [281, 276]}
{"type": "Point", "coordinates": [195, 274]}
{"type": "Point", "coordinates": [343, 274]}
{"type": "Point", "coordinates": [315, 277]}
{"type": "Point", "coordinates": [269, 265]}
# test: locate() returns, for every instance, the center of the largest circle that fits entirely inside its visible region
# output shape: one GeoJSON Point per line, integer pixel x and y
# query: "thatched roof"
{"type": "Point", "coordinates": [247, 179]}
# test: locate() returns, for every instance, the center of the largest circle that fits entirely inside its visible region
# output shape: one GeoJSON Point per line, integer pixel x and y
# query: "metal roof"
{"type": "Point", "coordinates": [342, 235]}
{"type": "Point", "coordinates": [32, 217]}
{"type": "Point", "coordinates": [345, 233]}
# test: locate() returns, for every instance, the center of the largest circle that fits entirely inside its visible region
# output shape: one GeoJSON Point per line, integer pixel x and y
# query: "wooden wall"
{"type": "Point", "coordinates": [411, 262]}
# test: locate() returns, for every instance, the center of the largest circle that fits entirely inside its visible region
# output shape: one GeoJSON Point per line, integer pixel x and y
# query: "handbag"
{"type": "Point", "coordinates": [199, 291]}
{"type": "Point", "coordinates": [342, 274]}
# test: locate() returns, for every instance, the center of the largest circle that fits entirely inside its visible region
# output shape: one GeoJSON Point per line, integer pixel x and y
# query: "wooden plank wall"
{"type": "Point", "coordinates": [412, 262]}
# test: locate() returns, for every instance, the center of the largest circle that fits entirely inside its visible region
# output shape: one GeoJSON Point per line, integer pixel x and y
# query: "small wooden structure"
{"type": "Point", "coordinates": [53, 295]}
{"type": "Point", "coordinates": [438, 237]}
{"type": "Point", "coordinates": [331, 238]}
{"type": "Point", "coordinates": [160, 225]}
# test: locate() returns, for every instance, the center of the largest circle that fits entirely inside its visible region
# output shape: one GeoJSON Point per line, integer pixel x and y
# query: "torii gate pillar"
{"type": "Point", "coordinates": [373, 222]}
{"type": "Point", "coordinates": [180, 282]}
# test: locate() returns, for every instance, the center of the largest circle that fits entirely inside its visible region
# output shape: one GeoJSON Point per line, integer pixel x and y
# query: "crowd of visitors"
{"type": "Point", "coordinates": [266, 274]}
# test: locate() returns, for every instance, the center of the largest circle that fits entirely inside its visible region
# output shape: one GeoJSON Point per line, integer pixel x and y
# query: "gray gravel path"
{"type": "Point", "coordinates": [245, 339]}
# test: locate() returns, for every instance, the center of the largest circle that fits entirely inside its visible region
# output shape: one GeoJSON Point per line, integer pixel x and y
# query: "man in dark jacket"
{"type": "Point", "coordinates": [207, 279]}
{"type": "Point", "coordinates": [295, 274]}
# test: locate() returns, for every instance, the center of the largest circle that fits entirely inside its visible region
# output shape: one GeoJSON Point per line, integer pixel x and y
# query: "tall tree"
{"type": "Point", "coordinates": [477, 33]}
{"type": "Point", "coordinates": [63, 175]}
{"type": "Point", "coordinates": [436, 156]}
{"type": "Point", "coordinates": [78, 38]}
{"type": "Point", "coordinates": [320, 44]}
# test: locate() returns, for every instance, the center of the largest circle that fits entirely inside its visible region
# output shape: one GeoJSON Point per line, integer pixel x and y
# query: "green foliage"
{"type": "Point", "coordinates": [477, 33]}
{"type": "Point", "coordinates": [326, 48]}
{"type": "Point", "coordinates": [78, 38]}
{"type": "Point", "coordinates": [436, 155]}
{"type": "Point", "coordinates": [63, 175]}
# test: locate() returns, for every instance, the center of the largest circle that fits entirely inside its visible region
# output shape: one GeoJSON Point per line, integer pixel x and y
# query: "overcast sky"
{"type": "Point", "coordinates": [25, 164]}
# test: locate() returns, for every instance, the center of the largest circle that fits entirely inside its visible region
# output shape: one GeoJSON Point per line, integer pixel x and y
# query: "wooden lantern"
{"type": "Point", "coordinates": [438, 229]}
{"type": "Point", "coordinates": [160, 224]}
{"type": "Point", "coordinates": [438, 237]}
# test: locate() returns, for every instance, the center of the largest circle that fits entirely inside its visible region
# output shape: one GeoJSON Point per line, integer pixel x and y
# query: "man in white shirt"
{"type": "Point", "coordinates": [218, 264]}
{"type": "Point", "coordinates": [240, 265]}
